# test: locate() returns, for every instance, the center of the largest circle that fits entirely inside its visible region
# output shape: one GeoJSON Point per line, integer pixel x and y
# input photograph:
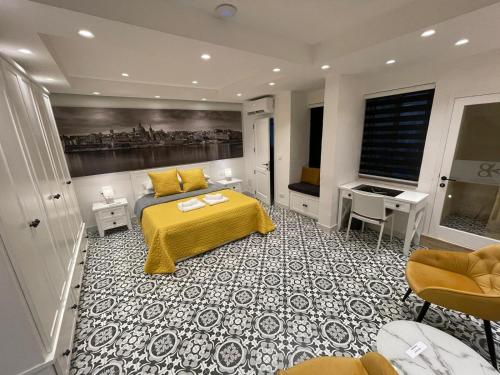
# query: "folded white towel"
{"type": "Point", "coordinates": [211, 202]}
{"type": "Point", "coordinates": [190, 205]}
{"type": "Point", "coordinates": [214, 197]}
{"type": "Point", "coordinates": [190, 202]}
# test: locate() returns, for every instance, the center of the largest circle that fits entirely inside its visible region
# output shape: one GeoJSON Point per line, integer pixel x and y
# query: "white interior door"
{"type": "Point", "coordinates": [262, 160]}
{"type": "Point", "coordinates": [467, 205]}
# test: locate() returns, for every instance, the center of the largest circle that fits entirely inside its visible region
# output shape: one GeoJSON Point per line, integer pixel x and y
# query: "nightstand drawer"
{"type": "Point", "coordinates": [111, 213]}
{"type": "Point", "coordinates": [114, 222]}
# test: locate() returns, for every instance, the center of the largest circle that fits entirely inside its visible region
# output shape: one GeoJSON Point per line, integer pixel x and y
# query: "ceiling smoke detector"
{"type": "Point", "coordinates": [226, 10]}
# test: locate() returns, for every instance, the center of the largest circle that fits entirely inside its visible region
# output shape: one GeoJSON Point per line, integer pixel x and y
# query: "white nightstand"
{"type": "Point", "coordinates": [112, 215]}
{"type": "Point", "coordinates": [233, 183]}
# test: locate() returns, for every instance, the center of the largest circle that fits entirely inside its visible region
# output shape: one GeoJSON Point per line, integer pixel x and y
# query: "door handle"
{"type": "Point", "coordinates": [266, 164]}
{"type": "Point", "coordinates": [56, 196]}
{"type": "Point", "coordinates": [35, 223]}
{"type": "Point", "coordinates": [444, 178]}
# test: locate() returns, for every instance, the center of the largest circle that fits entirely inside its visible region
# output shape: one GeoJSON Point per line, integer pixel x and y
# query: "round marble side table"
{"type": "Point", "coordinates": [444, 354]}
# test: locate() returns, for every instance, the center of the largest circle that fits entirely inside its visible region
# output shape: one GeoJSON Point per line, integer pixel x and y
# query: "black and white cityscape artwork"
{"type": "Point", "coordinates": [105, 140]}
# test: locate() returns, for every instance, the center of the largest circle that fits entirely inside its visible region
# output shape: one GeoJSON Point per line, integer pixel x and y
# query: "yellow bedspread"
{"type": "Point", "coordinates": [172, 235]}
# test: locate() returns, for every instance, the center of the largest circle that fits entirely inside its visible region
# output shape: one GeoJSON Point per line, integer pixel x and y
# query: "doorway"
{"type": "Point", "coordinates": [264, 159]}
{"type": "Point", "coordinates": [467, 204]}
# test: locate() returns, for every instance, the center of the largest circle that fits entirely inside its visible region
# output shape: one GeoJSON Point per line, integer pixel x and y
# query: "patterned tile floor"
{"type": "Point", "coordinates": [469, 225]}
{"type": "Point", "coordinates": [250, 307]}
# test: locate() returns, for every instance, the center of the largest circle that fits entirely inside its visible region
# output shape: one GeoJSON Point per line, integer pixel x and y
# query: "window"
{"type": "Point", "coordinates": [315, 137]}
{"type": "Point", "coordinates": [394, 135]}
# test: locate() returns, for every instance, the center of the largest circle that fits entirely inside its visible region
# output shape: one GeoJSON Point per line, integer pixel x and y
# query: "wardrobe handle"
{"type": "Point", "coordinates": [81, 262]}
{"type": "Point", "coordinates": [56, 196]}
{"type": "Point", "coordinates": [303, 204]}
{"type": "Point", "coordinates": [67, 352]}
{"type": "Point", "coordinates": [77, 286]}
{"type": "Point", "coordinates": [74, 307]}
{"type": "Point", "coordinates": [35, 223]}
{"type": "Point", "coordinates": [68, 182]}
{"type": "Point", "coordinates": [114, 222]}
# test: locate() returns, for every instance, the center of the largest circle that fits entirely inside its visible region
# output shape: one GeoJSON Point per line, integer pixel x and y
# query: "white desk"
{"type": "Point", "coordinates": [410, 202]}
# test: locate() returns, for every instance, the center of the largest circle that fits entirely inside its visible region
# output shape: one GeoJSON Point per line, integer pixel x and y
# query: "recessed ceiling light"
{"type": "Point", "coordinates": [86, 33]}
{"type": "Point", "coordinates": [226, 10]}
{"type": "Point", "coordinates": [428, 33]}
{"type": "Point", "coordinates": [203, 99]}
{"type": "Point", "coordinates": [194, 82]}
{"type": "Point", "coordinates": [271, 83]}
{"type": "Point", "coordinates": [157, 96]}
{"type": "Point", "coordinates": [25, 51]}
{"type": "Point", "coordinates": [325, 67]}
{"type": "Point", "coordinates": [124, 74]}
{"type": "Point", "coordinates": [96, 93]}
{"type": "Point", "coordinates": [239, 94]}
{"type": "Point", "coordinates": [391, 61]}
{"type": "Point", "coordinates": [461, 42]}
{"type": "Point", "coordinates": [276, 70]}
{"type": "Point", "coordinates": [206, 56]}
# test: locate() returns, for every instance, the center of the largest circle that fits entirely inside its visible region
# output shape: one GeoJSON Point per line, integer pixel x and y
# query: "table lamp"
{"type": "Point", "coordinates": [108, 194]}
{"type": "Point", "coordinates": [228, 173]}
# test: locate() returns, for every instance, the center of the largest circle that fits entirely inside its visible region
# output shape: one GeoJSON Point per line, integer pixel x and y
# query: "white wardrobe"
{"type": "Point", "coordinates": [41, 233]}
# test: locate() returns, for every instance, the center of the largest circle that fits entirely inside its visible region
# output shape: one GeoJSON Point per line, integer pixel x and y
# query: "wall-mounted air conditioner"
{"type": "Point", "coordinates": [260, 106]}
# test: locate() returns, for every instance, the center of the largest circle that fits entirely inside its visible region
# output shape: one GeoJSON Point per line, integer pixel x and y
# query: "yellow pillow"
{"type": "Point", "coordinates": [193, 179]}
{"type": "Point", "coordinates": [310, 175]}
{"type": "Point", "coordinates": [165, 183]}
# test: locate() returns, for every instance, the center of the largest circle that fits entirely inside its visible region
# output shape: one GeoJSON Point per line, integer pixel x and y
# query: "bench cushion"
{"type": "Point", "coordinates": [305, 188]}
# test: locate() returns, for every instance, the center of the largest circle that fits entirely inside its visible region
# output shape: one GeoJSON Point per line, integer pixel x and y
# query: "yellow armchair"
{"type": "Point", "coordinates": [466, 282]}
{"type": "Point", "coordinates": [369, 364]}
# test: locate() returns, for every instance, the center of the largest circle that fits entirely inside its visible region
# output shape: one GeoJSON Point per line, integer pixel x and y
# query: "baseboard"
{"type": "Point", "coordinates": [278, 204]}
{"type": "Point", "coordinates": [326, 228]}
{"type": "Point", "coordinates": [435, 243]}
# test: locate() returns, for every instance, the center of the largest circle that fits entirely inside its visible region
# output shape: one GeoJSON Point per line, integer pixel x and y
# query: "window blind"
{"type": "Point", "coordinates": [394, 135]}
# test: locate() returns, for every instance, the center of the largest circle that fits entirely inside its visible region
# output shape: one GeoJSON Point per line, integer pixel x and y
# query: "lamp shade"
{"type": "Point", "coordinates": [228, 173]}
{"type": "Point", "coordinates": [108, 193]}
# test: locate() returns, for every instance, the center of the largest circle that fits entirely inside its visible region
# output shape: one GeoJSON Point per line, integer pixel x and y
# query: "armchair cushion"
{"type": "Point", "coordinates": [369, 364]}
{"type": "Point", "coordinates": [466, 282]}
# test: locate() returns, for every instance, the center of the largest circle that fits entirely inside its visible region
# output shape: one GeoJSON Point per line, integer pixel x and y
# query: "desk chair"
{"type": "Point", "coordinates": [370, 208]}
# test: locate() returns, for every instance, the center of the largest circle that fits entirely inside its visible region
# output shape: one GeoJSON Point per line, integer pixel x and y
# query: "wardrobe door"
{"type": "Point", "coordinates": [55, 202]}
{"type": "Point", "coordinates": [27, 122]}
{"type": "Point", "coordinates": [23, 223]}
{"type": "Point", "coordinates": [64, 181]}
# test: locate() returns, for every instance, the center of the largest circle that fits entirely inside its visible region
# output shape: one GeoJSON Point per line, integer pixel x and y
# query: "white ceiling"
{"type": "Point", "coordinates": [159, 45]}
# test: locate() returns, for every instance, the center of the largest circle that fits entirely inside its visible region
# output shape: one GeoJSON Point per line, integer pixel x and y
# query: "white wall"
{"type": "Point", "coordinates": [475, 75]}
{"type": "Point", "coordinates": [299, 134]}
{"type": "Point", "coordinates": [291, 142]}
{"type": "Point", "coordinates": [88, 188]}
{"type": "Point", "coordinates": [341, 142]}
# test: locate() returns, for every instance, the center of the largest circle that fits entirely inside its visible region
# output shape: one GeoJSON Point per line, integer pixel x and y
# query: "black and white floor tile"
{"type": "Point", "coordinates": [469, 225]}
{"type": "Point", "coordinates": [250, 307]}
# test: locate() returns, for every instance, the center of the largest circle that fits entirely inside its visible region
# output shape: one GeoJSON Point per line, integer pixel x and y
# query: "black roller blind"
{"type": "Point", "coordinates": [394, 135]}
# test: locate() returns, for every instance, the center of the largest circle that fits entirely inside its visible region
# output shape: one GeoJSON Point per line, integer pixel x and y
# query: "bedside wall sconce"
{"type": "Point", "coordinates": [108, 194]}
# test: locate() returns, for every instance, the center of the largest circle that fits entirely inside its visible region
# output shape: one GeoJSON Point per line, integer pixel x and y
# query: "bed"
{"type": "Point", "coordinates": [172, 235]}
